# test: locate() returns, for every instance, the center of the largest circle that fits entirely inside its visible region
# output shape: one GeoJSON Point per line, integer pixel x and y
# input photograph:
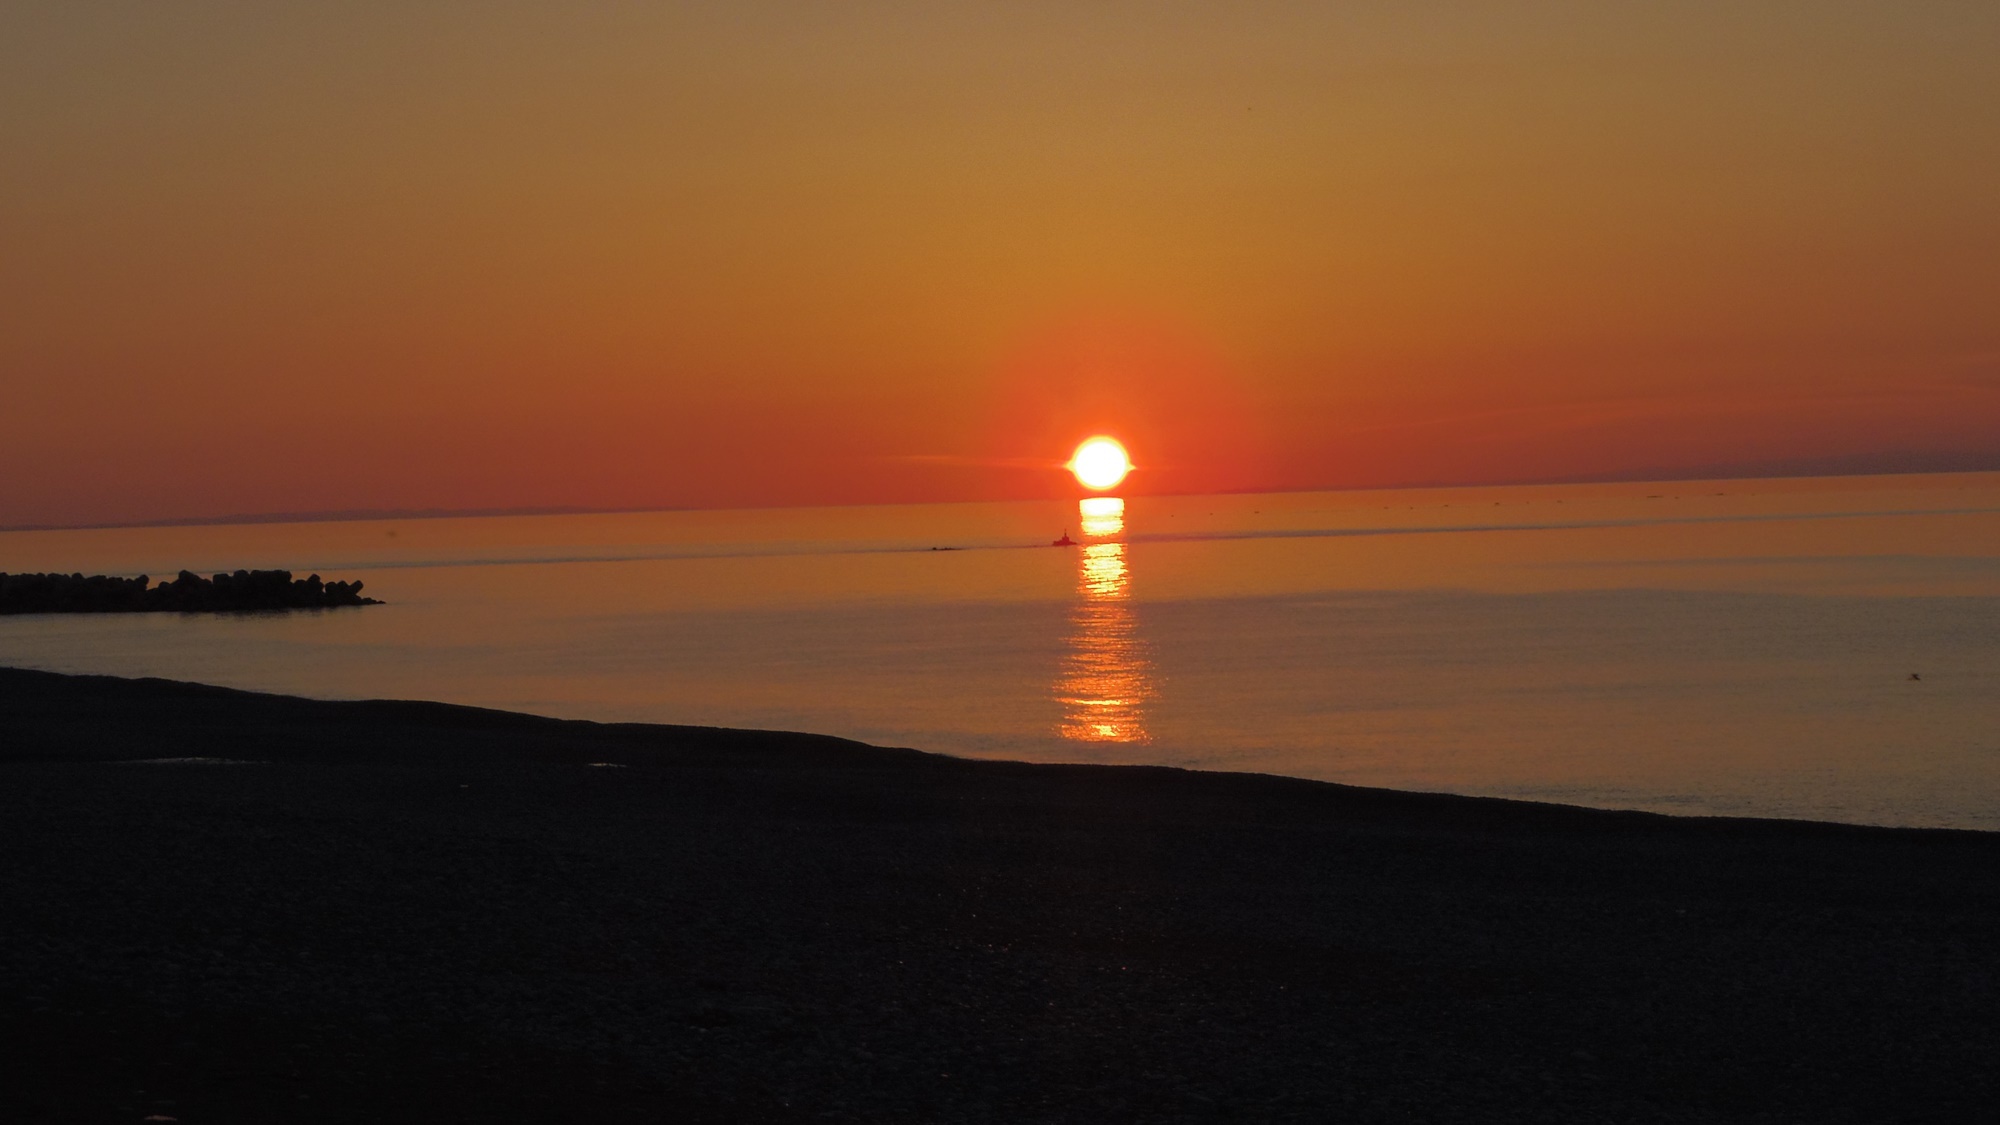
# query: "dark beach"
{"type": "Point", "coordinates": [416, 912]}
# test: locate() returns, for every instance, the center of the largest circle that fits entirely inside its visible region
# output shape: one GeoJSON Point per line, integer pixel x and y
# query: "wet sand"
{"type": "Point", "coordinates": [408, 911]}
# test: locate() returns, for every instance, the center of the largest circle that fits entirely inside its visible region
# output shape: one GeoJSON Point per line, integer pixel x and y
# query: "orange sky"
{"type": "Point", "coordinates": [260, 258]}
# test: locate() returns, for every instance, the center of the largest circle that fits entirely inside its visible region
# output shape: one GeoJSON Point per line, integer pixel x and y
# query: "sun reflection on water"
{"type": "Point", "coordinates": [1105, 679]}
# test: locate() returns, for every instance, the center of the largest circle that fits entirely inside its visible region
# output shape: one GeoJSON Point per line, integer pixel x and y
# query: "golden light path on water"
{"type": "Point", "coordinates": [1105, 679]}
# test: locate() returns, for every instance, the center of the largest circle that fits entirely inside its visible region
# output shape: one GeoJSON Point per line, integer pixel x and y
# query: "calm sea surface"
{"type": "Point", "coordinates": [1826, 649]}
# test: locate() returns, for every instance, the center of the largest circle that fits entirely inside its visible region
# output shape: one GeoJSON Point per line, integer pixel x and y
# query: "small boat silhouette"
{"type": "Point", "coordinates": [1065, 541]}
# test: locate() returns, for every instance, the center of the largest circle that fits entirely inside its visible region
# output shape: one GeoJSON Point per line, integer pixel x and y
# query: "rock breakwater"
{"type": "Point", "coordinates": [186, 593]}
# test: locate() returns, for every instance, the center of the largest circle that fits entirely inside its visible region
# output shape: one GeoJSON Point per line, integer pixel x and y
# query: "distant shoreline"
{"type": "Point", "coordinates": [358, 515]}
{"type": "Point", "coordinates": [366, 515]}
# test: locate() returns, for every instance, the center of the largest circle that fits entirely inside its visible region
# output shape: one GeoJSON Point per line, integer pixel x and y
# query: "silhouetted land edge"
{"type": "Point", "coordinates": [413, 911]}
{"type": "Point", "coordinates": [242, 590]}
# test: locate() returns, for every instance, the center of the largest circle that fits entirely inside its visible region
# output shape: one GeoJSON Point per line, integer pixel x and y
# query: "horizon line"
{"type": "Point", "coordinates": [362, 515]}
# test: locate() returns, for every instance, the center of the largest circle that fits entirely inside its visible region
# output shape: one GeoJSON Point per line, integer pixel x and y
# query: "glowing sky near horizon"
{"type": "Point", "coordinates": [264, 258]}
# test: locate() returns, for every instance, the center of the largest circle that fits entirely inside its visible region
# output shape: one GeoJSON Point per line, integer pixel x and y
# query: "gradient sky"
{"type": "Point", "coordinates": [262, 257]}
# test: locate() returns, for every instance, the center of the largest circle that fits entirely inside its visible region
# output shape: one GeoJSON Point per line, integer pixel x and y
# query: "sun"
{"type": "Point", "coordinates": [1099, 463]}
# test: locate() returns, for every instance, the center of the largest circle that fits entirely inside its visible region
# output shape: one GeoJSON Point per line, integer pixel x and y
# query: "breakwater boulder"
{"type": "Point", "coordinates": [185, 593]}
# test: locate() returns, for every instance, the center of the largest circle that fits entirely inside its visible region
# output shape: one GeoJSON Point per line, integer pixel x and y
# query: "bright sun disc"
{"type": "Point", "coordinates": [1100, 463]}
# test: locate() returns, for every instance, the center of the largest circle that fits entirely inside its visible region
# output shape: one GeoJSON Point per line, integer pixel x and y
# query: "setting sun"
{"type": "Point", "coordinates": [1100, 463]}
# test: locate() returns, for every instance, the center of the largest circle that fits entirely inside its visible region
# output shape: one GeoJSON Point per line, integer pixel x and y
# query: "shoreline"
{"type": "Point", "coordinates": [409, 910]}
{"type": "Point", "coordinates": [648, 742]}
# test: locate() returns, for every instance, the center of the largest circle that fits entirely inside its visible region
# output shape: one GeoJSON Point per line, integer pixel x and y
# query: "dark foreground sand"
{"type": "Point", "coordinates": [427, 913]}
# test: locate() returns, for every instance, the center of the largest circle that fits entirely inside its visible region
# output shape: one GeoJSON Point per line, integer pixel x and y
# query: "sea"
{"type": "Point", "coordinates": [1822, 648]}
